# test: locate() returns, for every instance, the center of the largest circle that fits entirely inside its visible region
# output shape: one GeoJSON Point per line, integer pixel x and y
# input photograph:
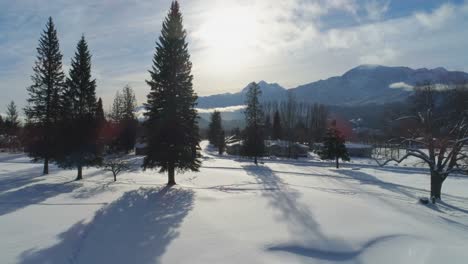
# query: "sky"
{"type": "Point", "coordinates": [234, 42]}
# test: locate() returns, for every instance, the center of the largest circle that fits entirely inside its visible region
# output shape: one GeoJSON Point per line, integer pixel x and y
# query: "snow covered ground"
{"type": "Point", "coordinates": [282, 211]}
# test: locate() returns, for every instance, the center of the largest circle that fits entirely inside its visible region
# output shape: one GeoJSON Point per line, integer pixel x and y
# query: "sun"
{"type": "Point", "coordinates": [229, 34]}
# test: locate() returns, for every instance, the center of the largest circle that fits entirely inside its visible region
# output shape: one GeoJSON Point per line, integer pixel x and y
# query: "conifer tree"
{"type": "Point", "coordinates": [80, 125]}
{"type": "Point", "coordinates": [44, 105]}
{"type": "Point", "coordinates": [2, 125]}
{"type": "Point", "coordinates": [100, 117]}
{"type": "Point", "coordinates": [11, 120]}
{"type": "Point", "coordinates": [277, 128]}
{"type": "Point", "coordinates": [221, 142]}
{"type": "Point", "coordinates": [268, 127]}
{"type": "Point", "coordinates": [171, 124]}
{"type": "Point", "coordinates": [215, 128]}
{"type": "Point", "coordinates": [334, 146]}
{"type": "Point", "coordinates": [254, 145]}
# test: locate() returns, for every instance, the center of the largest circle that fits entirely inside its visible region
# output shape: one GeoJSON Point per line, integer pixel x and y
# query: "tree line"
{"type": "Point", "coordinates": [65, 123]}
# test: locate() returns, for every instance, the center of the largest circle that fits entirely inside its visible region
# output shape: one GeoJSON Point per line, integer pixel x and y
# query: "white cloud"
{"type": "Point", "coordinates": [401, 85]}
{"type": "Point", "coordinates": [228, 109]}
{"type": "Point", "coordinates": [437, 18]}
{"type": "Point", "coordinates": [375, 9]}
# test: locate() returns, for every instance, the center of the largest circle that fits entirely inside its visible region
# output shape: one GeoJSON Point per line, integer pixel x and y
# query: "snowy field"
{"type": "Point", "coordinates": [282, 211]}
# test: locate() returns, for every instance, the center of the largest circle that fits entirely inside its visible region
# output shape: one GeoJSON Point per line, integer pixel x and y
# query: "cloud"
{"type": "Point", "coordinates": [375, 9]}
{"type": "Point", "coordinates": [437, 18]}
{"type": "Point", "coordinates": [291, 42]}
{"type": "Point", "coordinates": [401, 85]}
{"type": "Point", "coordinates": [228, 109]}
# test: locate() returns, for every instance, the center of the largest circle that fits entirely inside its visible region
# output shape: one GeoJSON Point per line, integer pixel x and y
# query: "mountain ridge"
{"type": "Point", "coordinates": [364, 84]}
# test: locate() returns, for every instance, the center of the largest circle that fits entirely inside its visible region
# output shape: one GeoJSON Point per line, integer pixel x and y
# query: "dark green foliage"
{"type": "Point", "coordinates": [2, 125]}
{"type": "Point", "coordinates": [100, 117]}
{"type": "Point", "coordinates": [221, 142]}
{"type": "Point", "coordinates": [80, 127]}
{"type": "Point", "coordinates": [277, 132]}
{"type": "Point", "coordinates": [44, 103]}
{"type": "Point", "coordinates": [11, 121]}
{"type": "Point", "coordinates": [254, 145]}
{"type": "Point", "coordinates": [171, 124]}
{"type": "Point", "coordinates": [215, 128]}
{"type": "Point", "coordinates": [267, 127]}
{"type": "Point", "coordinates": [334, 146]}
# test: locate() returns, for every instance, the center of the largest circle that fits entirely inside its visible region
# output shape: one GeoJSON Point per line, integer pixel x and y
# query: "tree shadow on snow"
{"type": "Point", "coordinates": [332, 255]}
{"type": "Point", "coordinates": [297, 215]}
{"type": "Point", "coordinates": [33, 194]}
{"type": "Point", "coordinates": [136, 228]}
{"type": "Point", "coordinates": [300, 220]}
{"type": "Point", "coordinates": [18, 178]}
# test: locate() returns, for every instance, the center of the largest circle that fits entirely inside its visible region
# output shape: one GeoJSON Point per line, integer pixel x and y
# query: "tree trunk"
{"type": "Point", "coordinates": [171, 175]}
{"type": "Point", "coordinates": [115, 177]}
{"type": "Point", "coordinates": [255, 160]}
{"type": "Point", "coordinates": [337, 163]}
{"type": "Point", "coordinates": [436, 186]}
{"type": "Point", "coordinates": [46, 166]}
{"type": "Point", "coordinates": [80, 173]}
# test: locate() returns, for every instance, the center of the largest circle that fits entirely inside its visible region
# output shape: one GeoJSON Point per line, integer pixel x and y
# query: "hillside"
{"type": "Point", "coordinates": [365, 84]}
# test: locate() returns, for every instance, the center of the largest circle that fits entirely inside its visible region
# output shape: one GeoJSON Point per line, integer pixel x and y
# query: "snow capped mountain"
{"type": "Point", "coordinates": [270, 91]}
{"type": "Point", "coordinates": [365, 84]}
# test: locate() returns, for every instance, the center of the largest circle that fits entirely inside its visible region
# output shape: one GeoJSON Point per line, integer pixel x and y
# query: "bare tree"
{"type": "Point", "coordinates": [116, 165]}
{"type": "Point", "coordinates": [438, 139]}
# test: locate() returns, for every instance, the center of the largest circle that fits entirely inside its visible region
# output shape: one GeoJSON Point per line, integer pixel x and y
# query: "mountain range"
{"type": "Point", "coordinates": [365, 84]}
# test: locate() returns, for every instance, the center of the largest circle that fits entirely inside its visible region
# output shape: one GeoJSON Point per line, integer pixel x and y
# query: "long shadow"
{"type": "Point", "coordinates": [8, 158]}
{"type": "Point", "coordinates": [18, 178]}
{"type": "Point", "coordinates": [331, 255]}
{"type": "Point", "coordinates": [136, 228]}
{"type": "Point", "coordinates": [301, 222]}
{"type": "Point", "coordinates": [365, 178]}
{"type": "Point", "coordinates": [33, 194]}
{"type": "Point", "coordinates": [298, 217]}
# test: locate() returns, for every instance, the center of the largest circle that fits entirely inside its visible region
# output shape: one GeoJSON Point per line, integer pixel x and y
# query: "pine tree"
{"type": "Point", "coordinates": [100, 117]}
{"type": "Point", "coordinates": [277, 128]}
{"type": "Point", "coordinates": [81, 123]}
{"type": "Point", "coordinates": [2, 125]}
{"type": "Point", "coordinates": [221, 142]}
{"type": "Point", "coordinates": [268, 127]}
{"type": "Point", "coordinates": [44, 105]}
{"type": "Point", "coordinates": [11, 120]}
{"type": "Point", "coordinates": [215, 128]}
{"type": "Point", "coordinates": [334, 146]}
{"type": "Point", "coordinates": [171, 124]}
{"type": "Point", "coordinates": [254, 145]}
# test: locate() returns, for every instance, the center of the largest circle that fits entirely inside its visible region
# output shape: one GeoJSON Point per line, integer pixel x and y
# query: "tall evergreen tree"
{"type": "Point", "coordinates": [254, 145]}
{"type": "Point", "coordinates": [11, 120]}
{"type": "Point", "coordinates": [44, 105]}
{"type": "Point", "coordinates": [2, 125]}
{"type": "Point", "coordinates": [277, 127]}
{"type": "Point", "coordinates": [268, 127]}
{"type": "Point", "coordinates": [334, 146]}
{"type": "Point", "coordinates": [81, 122]}
{"type": "Point", "coordinates": [100, 117]}
{"type": "Point", "coordinates": [171, 124]}
{"type": "Point", "coordinates": [215, 128]}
